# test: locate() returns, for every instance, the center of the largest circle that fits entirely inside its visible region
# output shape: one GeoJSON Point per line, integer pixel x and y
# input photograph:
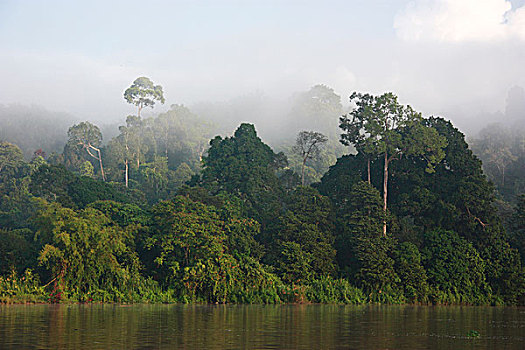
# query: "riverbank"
{"type": "Point", "coordinates": [15, 289]}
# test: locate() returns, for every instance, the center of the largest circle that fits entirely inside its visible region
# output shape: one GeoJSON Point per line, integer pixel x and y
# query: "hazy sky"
{"type": "Point", "coordinates": [457, 58]}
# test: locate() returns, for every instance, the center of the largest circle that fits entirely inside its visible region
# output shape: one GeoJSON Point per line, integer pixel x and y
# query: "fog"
{"type": "Point", "coordinates": [457, 59]}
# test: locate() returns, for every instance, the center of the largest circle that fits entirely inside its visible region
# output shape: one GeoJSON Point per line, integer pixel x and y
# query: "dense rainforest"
{"type": "Point", "coordinates": [165, 211]}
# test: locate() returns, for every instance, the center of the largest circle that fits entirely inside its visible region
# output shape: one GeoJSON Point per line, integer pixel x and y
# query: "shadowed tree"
{"type": "Point", "coordinates": [308, 145]}
{"type": "Point", "coordinates": [517, 224]}
{"type": "Point", "coordinates": [245, 166]}
{"type": "Point", "coordinates": [302, 241]}
{"type": "Point", "coordinates": [364, 252]}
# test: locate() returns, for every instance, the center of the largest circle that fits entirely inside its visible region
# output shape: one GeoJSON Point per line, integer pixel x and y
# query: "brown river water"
{"type": "Point", "coordinates": [260, 327]}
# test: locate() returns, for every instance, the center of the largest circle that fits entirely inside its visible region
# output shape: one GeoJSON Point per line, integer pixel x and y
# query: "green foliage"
{"type": "Point", "coordinates": [459, 198]}
{"type": "Point", "coordinates": [182, 175]}
{"type": "Point", "coordinates": [326, 289]}
{"type": "Point", "coordinates": [473, 334]}
{"type": "Point", "coordinates": [190, 244]}
{"type": "Point", "coordinates": [202, 195]}
{"type": "Point", "coordinates": [181, 135]}
{"type": "Point", "coordinates": [455, 267]}
{"type": "Point", "coordinates": [87, 169]}
{"type": "Point", "coordinates": [55, 183]}
{"type": "Point", "coordinates": [360, 216]}
{"type": "Point", "coordinates": [124, 214]}
{"type": "Point", "coordinates": [244, 166]}
{"type": "Point", "coordinates": [303, 238]}
{"type": "Point", "coordinates": [125, 149]}
{"type": "Point", "coordinates": [10, 158]}
{"type": "Point", "coordinates": [142, 93]}
{"type": "Point", "coordinates": [504, 270]}
{"type": "Point", "coordinates": [158, 154]}
{"type": "Point", "coordinates": [408, 266]}
{"type": "Point", "coordinates": [22, 288]}
{"type": "Point", "coordinates": [16, 250]}
{"type": "Point", "coordinates": [376, 272]}
{"type": "Point", "coordinates": [294, 264]}
{"type": "Point", "coordinates": [364, 251]}
{"type": "Point", "coordinates": [241, 232]}
{"type": "Point", "coordinates": [246, 232]}
{"type": "Point", "coordinates": [155, 179]}
{"type": "Point", "coordinates": [380, 126]}
{"type": "Point", "coordinates": [517, 227]}
{"type": "Point", "coordinates": [86, 253]}
{"type": "Point", "coordinates": [338, 182]}
{"type": "Point", "coordinates": [288, 179]}
{"type": "Point", "coordinates": [16, 205]}
{"type": "Point", "coordinates": [86, 137]}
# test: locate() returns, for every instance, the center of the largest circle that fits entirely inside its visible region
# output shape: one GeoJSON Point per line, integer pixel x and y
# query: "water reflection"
{"type": "Point", "coordinates": [259, 327]}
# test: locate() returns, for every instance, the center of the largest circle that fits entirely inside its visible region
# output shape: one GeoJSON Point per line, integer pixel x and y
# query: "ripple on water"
{"type": "Point", "coordinates": [258, 326]}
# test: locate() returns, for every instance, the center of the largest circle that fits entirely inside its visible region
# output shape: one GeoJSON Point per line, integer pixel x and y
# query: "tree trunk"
{"type": "Point", "coordinates": [101, 167]}
{"type": "Point", "coordinates": [201, 152]}
{"type": "Point", "coordinates": [87, 147]}
{"type": "Point", "coordinates": [369, 181]}
{"type": "Point", "coordinates": [166, 143]}
{"type": "Point", "coordinates": [126, 174]}
{"type": "Point", "coordinates": [385, 191]}
{"type": "Point", "coordinates": [302, 172]}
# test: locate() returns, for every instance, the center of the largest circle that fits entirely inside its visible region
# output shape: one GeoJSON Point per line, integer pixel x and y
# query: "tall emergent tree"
{"type": "Point", "coordinates": [143, 93]}
{"type": "Point", "coordinates": [88, 137]}
{"type": "Point", "coordinates": [379, 125]}
{"type": "Point", "coordinates": [308, 145]}
{"type": "Point", "coordinates": [128, 148]}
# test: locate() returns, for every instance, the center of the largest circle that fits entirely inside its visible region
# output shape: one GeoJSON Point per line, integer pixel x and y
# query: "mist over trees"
{"type": "Point", "coordinates": [502, 151]}
{"type": "Point", "coordinates": [166, 210]}
{"type": "Point", "coordinates": [32, 128]}
{"type": "Point", "coordinates": [501, 147]}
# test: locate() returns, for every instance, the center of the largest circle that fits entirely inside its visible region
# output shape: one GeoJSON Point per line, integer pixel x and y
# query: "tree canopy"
{"type": "Point", "coordinates": [379, 125]}
{"type": "Point", "coordinates": [143, 93]}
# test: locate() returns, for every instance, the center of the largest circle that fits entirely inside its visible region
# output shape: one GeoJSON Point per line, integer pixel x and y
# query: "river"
{"type": "Point", "coordinates": [72, 326]}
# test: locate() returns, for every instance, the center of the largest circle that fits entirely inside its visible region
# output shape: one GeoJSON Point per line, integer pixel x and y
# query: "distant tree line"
{"type": "Point", "coordinates": [502, 151]}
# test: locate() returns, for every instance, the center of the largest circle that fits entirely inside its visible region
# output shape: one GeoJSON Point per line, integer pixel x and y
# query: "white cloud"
{"type": "Point", "coordinates": [460, 20]}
